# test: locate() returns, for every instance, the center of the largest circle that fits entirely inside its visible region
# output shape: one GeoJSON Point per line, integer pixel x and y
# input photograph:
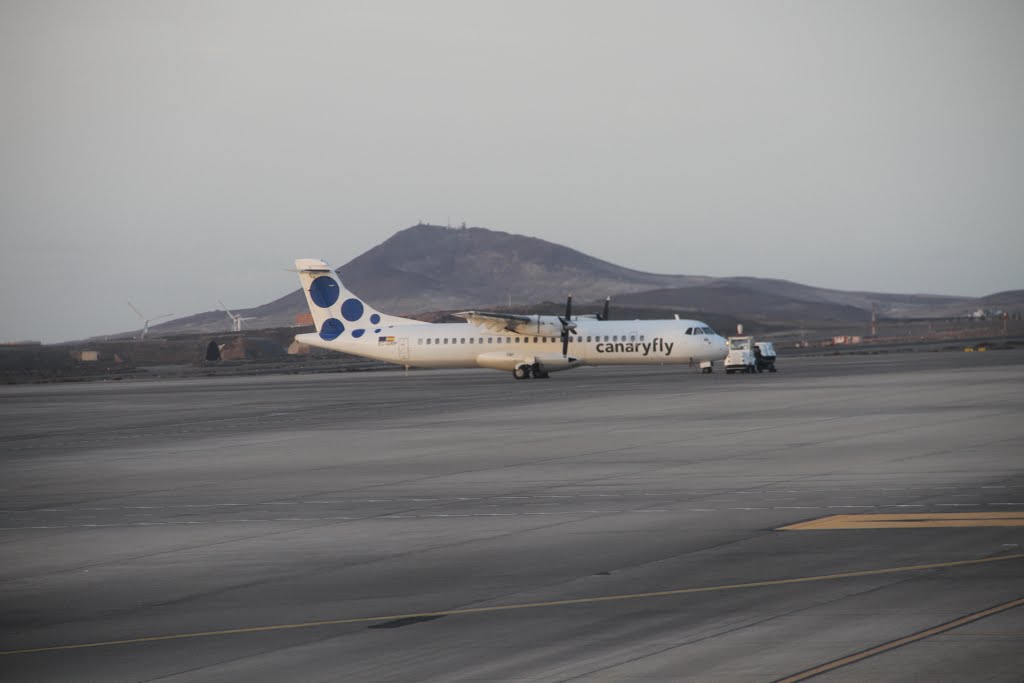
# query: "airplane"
{"type": "Point", "coordinates": [525, 345]}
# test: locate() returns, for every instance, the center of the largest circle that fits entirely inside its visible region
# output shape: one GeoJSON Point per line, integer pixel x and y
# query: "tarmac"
{"type": "Point", "coordinates": [605, 524]}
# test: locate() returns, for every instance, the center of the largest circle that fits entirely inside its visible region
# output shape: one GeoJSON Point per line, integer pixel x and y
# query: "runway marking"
{"type": "Point", "coordinates": [900, 642]}
{"type": "Point", "coordinates": [521, 606]}
{"type": "Point", "coordinates": [910, 521]}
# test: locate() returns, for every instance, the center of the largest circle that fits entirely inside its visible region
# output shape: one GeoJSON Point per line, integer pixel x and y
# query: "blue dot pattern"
{"type": "Point", "coordinates": [352, 310]}
{"type": "Point", "coordinates": [331, 329]}
{"type": "Point", "coordinates": [324, 291]}
{"type": "Point", "coordinates": [374, 319]}
{"type": "Point", "coordinates": [358, 333]}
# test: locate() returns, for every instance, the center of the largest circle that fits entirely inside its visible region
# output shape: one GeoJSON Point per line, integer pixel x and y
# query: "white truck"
{"type": "Point", "coordinates": [741, 355]}
{"type": "Point", "coordinates": [746, 355]}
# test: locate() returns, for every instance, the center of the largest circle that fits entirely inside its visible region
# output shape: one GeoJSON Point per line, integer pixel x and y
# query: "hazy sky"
{"type": "Point", "coordinates": [180, 152]}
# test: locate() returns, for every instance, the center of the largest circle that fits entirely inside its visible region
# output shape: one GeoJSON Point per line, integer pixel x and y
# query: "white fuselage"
{"type": "Point", "coordinates": [595, 342]}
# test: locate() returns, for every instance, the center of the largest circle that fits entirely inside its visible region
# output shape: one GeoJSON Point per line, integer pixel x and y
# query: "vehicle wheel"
{"type": "Point", "coordinates": [521, 372]}
{"type": "Point", "coordinates": [728, 372]}
{"type": "Point", "coordinates": [751, 369]}
{"type": "Point", "coordinates": [772, 369]}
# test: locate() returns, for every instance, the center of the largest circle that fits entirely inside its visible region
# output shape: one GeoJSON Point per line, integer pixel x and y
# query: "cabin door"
{"type": "Point", "coordinates": [403, 348]}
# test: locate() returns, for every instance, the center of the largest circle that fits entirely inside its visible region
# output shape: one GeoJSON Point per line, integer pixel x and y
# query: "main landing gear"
{"type": "Point", "coordinates": [525, 371]}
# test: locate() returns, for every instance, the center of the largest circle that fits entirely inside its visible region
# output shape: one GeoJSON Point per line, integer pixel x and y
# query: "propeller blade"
{"type": "Point", "coordinates": [607, 303]}
{"type": "Point", "coordinates": [567, 324]}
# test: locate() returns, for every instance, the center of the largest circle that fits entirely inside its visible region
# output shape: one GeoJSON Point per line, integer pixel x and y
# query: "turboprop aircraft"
{"type": "Point", "coordinates": [525, 345]}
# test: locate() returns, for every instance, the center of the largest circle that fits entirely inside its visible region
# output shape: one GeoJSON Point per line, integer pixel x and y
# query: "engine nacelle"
{"type": "Point", "coordinates": [539, 326]}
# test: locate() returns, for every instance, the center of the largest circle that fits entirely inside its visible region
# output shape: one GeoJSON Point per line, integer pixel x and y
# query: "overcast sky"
{"type": "Point", "coordinates": [176, 153]}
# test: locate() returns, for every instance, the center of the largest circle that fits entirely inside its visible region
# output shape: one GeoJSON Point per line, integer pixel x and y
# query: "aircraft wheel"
{"type": "Point", "coordinates": [521, 372]}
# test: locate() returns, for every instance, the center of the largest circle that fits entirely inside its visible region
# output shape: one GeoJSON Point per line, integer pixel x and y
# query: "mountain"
{"type": "Point", "coordinates": [428, 268]}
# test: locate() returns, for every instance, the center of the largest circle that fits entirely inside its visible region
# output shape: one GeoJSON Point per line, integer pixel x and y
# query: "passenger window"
{"type": "Point", "coordinates": [534, 340]}
{"type": "Point", "coordinates": [446, 340]}
{"type": "Point", "coordinates": [508, 340]}
{"type": "Point", "coordinates": [462, 341]}
{"type": "Point", "coordinates": [641, 337]}
{"type": "Point", "coordinates": [588, 337]}
{"type": "Point", "coordinates": [470, 340]}
{"type": "Point", "coordinates": [606, 337]}
{"type": "Point", "coordinates": [632, 337]}
{"type": "Point", "coordinates": [490, 340]}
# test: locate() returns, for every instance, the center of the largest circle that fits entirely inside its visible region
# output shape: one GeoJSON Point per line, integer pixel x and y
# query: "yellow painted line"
{"type": "Point", "coordinates": [910, 520]}
{"type": "Point", "coordinates": [899, 642]}
{"type": "Point", "coordinates": [517, 606]}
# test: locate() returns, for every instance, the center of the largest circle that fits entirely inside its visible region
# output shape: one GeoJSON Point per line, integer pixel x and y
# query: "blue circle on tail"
{"type": "Point", "coordinates": [331, 329]}
{"type": "Point", "coordinates": [324, 291]}
{"type": "Point", "coordinates": [358, 333]}
{"type": "Point", "coordinates": [352, 310]}
{"type": "Point", "coordinates": [374, 319]}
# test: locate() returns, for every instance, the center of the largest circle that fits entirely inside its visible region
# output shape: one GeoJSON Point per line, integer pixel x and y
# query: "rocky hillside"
{"type": "Point", "coordinates": [433, 268]}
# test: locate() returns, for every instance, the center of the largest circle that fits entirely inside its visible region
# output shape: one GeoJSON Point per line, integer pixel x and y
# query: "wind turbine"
{"type": "Point", "coordinates": [145, 320]}
{"type": "Point", "coordinates": [236, 318]}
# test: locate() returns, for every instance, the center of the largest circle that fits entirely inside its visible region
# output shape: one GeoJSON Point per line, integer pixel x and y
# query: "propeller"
{"type": "Point", "coordinates": [567, 326]}
{"type": "Point", "coordinates": [607, 303]}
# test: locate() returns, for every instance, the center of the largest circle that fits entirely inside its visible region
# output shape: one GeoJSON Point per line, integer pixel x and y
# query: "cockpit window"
{"type": "Point", "coordinates": [689, 330]}
{"type": "Point", "coordinates": [708, 330]}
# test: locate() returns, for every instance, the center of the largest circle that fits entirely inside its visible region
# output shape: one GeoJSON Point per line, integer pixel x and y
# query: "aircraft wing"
{"type": "Point", "coordinates": [500, 322]}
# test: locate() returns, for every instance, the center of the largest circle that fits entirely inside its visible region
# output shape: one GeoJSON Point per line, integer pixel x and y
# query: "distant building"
{"type": "Point", "coordinates": [86, 356]}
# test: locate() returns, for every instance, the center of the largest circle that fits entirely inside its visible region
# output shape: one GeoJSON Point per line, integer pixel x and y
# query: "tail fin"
{"type": "Point", "coordinates": [337, 312]}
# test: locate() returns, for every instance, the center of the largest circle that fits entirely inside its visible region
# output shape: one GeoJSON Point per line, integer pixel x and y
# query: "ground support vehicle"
{"type": "Point", "coordinates": [741, 355]}
{"type": "Point", "coordinates": [764, 356]}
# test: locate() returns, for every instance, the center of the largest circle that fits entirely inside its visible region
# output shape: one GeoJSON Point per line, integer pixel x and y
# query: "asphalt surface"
{"type": "Point", "coordinates": [604, 524]}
